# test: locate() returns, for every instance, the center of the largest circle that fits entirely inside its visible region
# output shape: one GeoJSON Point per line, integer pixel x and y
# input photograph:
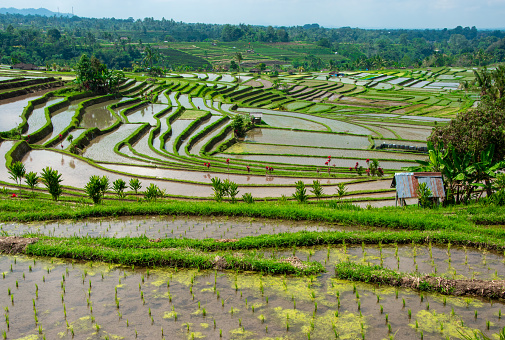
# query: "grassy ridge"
{"type": "Point", "coordinates": [182, 257]}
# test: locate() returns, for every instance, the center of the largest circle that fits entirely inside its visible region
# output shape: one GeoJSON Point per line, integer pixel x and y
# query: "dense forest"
{"type": "Point", "coordinates": [120, 43]}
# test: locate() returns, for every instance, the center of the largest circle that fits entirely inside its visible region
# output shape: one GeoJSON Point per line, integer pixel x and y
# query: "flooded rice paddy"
{"type": "Point", "coordinates": [90, 300]}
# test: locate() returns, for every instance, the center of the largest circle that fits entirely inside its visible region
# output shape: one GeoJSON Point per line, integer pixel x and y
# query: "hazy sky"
{"type": "Point", "coordinates": [328, 13]}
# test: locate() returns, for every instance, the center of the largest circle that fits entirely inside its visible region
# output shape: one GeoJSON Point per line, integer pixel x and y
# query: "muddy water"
{"type": "Point", "coordinates": [76, 173]}
{"type": "Point", "coordinates": [101, 148]}
{"type": "Point", "coordinates": [163, 129]}
{"type": "Point", "coordinates": [5, 147]}
{"type": "Point", "coordinates": [227, 78]}
{"type": "Point", "coordinates": [169, 227]}
{"type": "Point", "coordinates": [187, 304]}
{"type": "Point", "coordinates": [11, 110]}
{"type": "Point", "coordinates": [336, 153]}
{"type": "Point", "coordinates": [201, 127]}
{"type": "Point", "coordinates": [146, 114]}
{"type": "Point", "coordinates": [292, 123]}
{"type": "Point", "coordinates": [311, 161]}
{"type": "Point", "coordinates": [37, 118]}
{"type": "Point", "coordinates": [99, 116]}
{"type": "Point", "coordinates": [288, 137]}
{"type": "Point", "coordinates": [205, 177]}
{"type": "Point", "coordinates": [177, 128]}
{"type": "Point", "coordinates": [61, 119]}
{"type": "Point", "coordinates": [142, 147]}
{"type": "Point", "coordinates": [197, 147]}
{"type": "Point", "coordinates": [162, 98]}
{"type": "Point", "coordinates": [66, 143]}
{"type": "Point", "coordinates": [184, 100]}
{"type": "Point", "coordinates": [335, 125]}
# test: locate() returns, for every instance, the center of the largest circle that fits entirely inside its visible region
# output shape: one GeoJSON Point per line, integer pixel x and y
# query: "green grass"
{"type": "Point", "coordinates": [193, 114]}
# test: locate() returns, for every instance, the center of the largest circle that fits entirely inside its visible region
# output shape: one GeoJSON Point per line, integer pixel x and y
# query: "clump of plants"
{"type": "Point", "coordinates": [52, 180]}
{"type": "Point", "coordinates": [153, 192]}
{"type": "Point", "coordinates": [300, 192]}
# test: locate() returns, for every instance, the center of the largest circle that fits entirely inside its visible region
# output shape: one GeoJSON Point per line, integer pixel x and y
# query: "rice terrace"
{"type": "Point", "coordinates": [254, 201]}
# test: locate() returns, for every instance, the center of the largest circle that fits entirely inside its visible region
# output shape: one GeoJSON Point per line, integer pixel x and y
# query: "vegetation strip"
{"type": "Point", "coordinates": [149, 257]}
{"type": "Point", "coordinates": [377, 274]}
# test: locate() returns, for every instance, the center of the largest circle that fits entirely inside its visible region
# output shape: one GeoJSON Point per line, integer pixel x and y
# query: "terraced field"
{"type": "Point", "coordinates": [304, 119]}
{"type": "Point", "coordinates": [172, 276]}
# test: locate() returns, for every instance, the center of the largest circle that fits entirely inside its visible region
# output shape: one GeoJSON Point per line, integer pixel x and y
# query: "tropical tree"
{"type": "Point", "coordinates": [32, 180]}
{"type": "Point", "coordinates": [93, 75]}
{"type": "Point", "coordinates": [17, 171]}
{"type": "Point", "coordinates": [52, 179]}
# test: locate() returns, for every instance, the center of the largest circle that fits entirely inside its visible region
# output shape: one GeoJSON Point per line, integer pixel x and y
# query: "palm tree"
{"type": "Point", "coordinates": [238, 57]}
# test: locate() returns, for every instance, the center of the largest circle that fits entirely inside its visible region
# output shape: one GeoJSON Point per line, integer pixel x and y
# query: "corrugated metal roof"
{"type": "Point", "coordinates": [407, 183]}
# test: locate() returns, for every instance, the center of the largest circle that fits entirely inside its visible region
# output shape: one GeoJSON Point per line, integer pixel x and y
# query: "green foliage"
{"type": "Point", "coordinates": [233, 191]}
{"type": "Point", "coordinates": [224, 188]}
{"type": "Point", "coordinates": [94, 189]}
{"type": "Point", "coordinates": [248, 198]}
{"type": "Point", "coordinates": [424, 194]}
{"type": "Point", "coordinates": [341, 190]}
{"type": "Point", "coordinates": [52, 179]}
{"type": "Point", "coordinates": [17, 171]}
{"type": "Point", "coordinates": [123, 251]}
{"type": "Point", "coordinates": [317, 189]}
{"type": "Point", "coordinates": [240, 125]}
{"type": "Point", "coordinates": [217, 187]}
{"type": "Point", "coordinates": [119, 186]}
{"type": "Point", "coordinates": [152, 193]}
{"type": "Point", "coordinates": [94, 76]}
{"type": "Point", "coordinates": [300, 192]}
{"type": "Point", "coordinates": [135, 185]}
{"type": "Point", "coordinates": [32, 180]}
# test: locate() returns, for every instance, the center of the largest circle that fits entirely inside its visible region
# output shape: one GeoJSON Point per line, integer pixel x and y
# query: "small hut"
{"type": "Point", "coordinates": [407, 185]}
{"type": "Point", "coordinates": [256, 117]}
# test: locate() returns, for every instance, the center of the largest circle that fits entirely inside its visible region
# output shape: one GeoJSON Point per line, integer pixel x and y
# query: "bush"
{"type": "Point", "coordinates": [152, 193]}
{"type": "Point", "coordinates": [248, 198]}
{"type": "Point", "coordinates": [317, 189]}
{"type": "Point", "coordinates": [424, 194]}
{"type": "Point", "coordinates": [32, 179]}
{"type": "Point", "coordinates": [118, 186]}
{"type": "Point", "coordinates": [301, 193]}
{"type": "Point", "coordinates": [135, 185]}
{"type": "Point", "coordinates": [341, 190]}
{"type": "Point", "coordinates": [17, 171]}
{"type": "Point", "coordinates": [52, 179]}
{"type": "Point", "coordinates": [94, 189]}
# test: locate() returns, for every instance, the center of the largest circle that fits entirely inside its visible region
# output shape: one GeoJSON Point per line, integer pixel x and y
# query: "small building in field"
{"type": "Point", "coordinates": [256, 117]}
{"type": "Point", "coordinates": [407, 185]}
{"type": "Point", "coordinates": [23, 66]}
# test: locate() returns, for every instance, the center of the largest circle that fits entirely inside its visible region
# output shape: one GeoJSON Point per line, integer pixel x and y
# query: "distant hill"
{"type": "Point", "coordinates": [33, 11]}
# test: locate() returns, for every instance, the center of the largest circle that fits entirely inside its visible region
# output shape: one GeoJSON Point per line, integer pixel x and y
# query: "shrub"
{"type": "Point", "coordinates": [248, 198]}
{"type": "Point", "coordinates": [317, 189]}
{"type": "Point", "coordinates": [152, 193]}
{"type": "Point", "coordinates": [135, 185]}
{"type": "Point", "coordinates": [17, 171]}
{"type": "Point", "coordinates": [118, 186]}
{"type": "Point", "coordinates": [233, 191]}
{"type": "Point", "coordinates": [94, 189]}
{"type": "Point", "coordinates": [217, 186]}
{"type": "Point", "coordinates": [424, 194]}
{"type": "Point", "coordinates": [52, 179]}
{"type": "Point", "coordinates": [301, 193]}
{"type": "Point", "coordinates": [104, 185]}
{"type": "Point", "coordinates": [341, 190]}
{"type": "Point", "coordinates": [32, 179]}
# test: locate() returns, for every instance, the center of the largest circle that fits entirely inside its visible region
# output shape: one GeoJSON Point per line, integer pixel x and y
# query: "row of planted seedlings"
{"type": "Point", "coordinates": [257, 304]}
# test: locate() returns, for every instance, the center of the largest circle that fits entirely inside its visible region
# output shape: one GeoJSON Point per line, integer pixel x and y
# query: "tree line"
{"type": "Point", "coordinates": [59, 40]}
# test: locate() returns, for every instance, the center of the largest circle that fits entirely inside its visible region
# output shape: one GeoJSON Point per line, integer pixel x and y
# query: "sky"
{"type": "Point", "coordinates": [484, 14]}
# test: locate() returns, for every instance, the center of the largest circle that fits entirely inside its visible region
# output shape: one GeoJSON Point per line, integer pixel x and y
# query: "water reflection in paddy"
{"type": "Point", "coordinates": [100, 300]}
